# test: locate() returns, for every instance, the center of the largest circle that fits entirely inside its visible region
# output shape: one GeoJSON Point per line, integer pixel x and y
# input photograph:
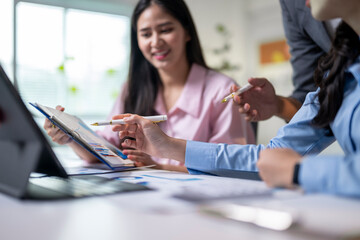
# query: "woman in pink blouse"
{"type": "Point", "coordinates": [168, 75]}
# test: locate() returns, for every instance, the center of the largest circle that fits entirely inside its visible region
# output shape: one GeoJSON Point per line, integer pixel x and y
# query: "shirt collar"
{"type": "Point", "coordinates": [190, 98]}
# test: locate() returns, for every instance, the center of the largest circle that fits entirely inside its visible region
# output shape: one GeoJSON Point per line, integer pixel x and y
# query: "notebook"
{"type": "Point", "coordinates": [25, 150]}
{"type": "Point", "coordinates": [86, 137]}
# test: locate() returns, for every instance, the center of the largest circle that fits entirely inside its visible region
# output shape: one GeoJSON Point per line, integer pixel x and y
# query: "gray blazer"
{"type": "Point", "coordinates": [308, 40]}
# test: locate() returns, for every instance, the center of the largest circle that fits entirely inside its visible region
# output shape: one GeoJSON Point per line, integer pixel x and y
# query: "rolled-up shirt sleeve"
{"type": "Point", "coordinates": [217, 159]}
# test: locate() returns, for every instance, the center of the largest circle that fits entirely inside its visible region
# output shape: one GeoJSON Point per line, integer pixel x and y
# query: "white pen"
{"type": "Point", "coordinates": [238, 92]}
{"type": "Point", "coordinates": [158, 118]}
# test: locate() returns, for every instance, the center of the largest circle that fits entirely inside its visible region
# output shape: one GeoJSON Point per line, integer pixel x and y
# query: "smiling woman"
{"type": "Point", "coordinates": [168, 76]}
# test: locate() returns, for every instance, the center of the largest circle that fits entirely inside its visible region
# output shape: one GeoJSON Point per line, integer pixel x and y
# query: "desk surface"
{"type": "Point", "coordinates": [157, 215]}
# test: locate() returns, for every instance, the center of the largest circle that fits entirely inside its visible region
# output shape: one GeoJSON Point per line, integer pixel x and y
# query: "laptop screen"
{"type": "Point", "coordinates": [23, 147]}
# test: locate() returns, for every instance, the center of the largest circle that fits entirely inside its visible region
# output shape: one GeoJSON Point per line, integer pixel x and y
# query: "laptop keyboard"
{"type": "Point", "coordinates": [84, 186]}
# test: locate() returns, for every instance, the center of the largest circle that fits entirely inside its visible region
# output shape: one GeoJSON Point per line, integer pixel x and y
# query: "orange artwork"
{"type": "Point", "coordinates": [274, 52]}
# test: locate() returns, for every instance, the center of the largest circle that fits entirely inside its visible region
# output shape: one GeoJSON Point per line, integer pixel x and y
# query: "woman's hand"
{"type": "Point", "coordinates": [55, 133]}
{"type": "Point", "coordinates": [149, 138]}
{"type": "Point", "coordinates": [276, 167]}
{"type": "Point", "coordinates": [140, 158]}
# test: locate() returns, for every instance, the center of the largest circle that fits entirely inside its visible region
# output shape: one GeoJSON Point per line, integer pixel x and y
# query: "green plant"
{"type": "Point", "coordinates": [224, 50]}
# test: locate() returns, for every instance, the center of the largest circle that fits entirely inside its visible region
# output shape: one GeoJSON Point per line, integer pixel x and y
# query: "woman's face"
{"type": "Point", "coordinates": [161, 38]}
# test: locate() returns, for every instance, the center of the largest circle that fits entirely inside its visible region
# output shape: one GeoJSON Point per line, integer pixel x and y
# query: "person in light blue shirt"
{"type": "Point", "coordinates": [329, 114]}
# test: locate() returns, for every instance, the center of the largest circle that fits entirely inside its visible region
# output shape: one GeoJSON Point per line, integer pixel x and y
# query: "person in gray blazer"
{"type": "Point", "coordinates": [308, 39]}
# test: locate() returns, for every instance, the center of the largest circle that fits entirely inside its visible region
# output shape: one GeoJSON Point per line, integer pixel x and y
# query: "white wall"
{"type": "Point", "coordinates": [207, 14]}
{"type": "Point", "coordinates": [264, 25]}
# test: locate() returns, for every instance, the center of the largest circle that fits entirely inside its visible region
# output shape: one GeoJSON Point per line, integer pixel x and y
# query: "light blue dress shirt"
{"type": "Point", "coordinates": [329, 174]}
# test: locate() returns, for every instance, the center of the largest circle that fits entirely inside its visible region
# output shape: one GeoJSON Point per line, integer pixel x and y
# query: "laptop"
{"type": "Point", "coordinates": [24, 150]}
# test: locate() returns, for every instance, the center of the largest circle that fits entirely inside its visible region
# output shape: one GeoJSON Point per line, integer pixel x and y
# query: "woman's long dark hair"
{"type": "Point", "coordinates": [330, 73]}
{"type": "Point", "coordinates": [143, 80]}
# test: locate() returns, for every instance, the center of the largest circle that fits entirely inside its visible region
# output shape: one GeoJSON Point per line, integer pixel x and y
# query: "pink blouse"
{"type": "Point", "coordinates": [198, 114]}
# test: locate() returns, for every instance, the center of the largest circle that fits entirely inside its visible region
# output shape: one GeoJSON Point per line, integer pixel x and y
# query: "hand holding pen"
{"type": "Point", "coordinates": [260, 102]}
{"type": "Point", "coordinates": [238, 92]}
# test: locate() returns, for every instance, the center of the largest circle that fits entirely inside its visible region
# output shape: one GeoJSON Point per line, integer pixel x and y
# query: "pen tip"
{"type": "Point", "coordinates": [94, 124]}
{"type": "Point", "coordinates": [224, 100]}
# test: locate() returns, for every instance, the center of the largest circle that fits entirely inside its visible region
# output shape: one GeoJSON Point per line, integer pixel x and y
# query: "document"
{"type": "Point", "coordinates": [197, 188]}
{"type": "Point", "coordinates": [87, 138]}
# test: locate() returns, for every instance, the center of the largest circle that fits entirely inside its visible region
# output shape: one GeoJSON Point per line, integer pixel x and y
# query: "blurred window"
{"type": "Point", "coordinates": [6, 39]}
{"type": "Point", "coordinates": [74, 58]}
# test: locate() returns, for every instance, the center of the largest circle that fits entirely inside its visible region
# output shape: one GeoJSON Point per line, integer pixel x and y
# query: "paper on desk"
{"type": "Point", "coordinates": [201, 187]}
{"type": "Point", "coordinates": [162, 180]}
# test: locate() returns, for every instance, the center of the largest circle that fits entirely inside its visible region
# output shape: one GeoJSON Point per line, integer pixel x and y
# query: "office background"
{"type": "Point", "coordinates": [75, 52]}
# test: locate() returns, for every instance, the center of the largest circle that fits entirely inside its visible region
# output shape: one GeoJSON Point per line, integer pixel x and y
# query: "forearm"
{"type": "Point", "coordinates": [173, 149]}
{"type": "Point", "coordinates": [169, 167]}
{"type": "Point", "coordinates": [219, 159]}
{"type": "Point", "coordinates": [287, 107]}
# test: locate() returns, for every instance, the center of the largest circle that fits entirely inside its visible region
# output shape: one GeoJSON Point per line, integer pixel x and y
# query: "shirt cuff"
{"type": "Point", "coordinates": [200, 156]}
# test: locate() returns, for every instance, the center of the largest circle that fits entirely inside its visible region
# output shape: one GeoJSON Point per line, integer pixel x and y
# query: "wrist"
{"type": "Point", "coordinates": [175, 149]}
{"type": "Point", "coordinates": [280, 103]}
{"type": "Point", "coordinates": [287, 107]}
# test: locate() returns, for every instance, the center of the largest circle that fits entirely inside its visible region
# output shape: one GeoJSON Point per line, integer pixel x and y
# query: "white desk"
{"type": "Point", "coordinates": [156, 215]}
